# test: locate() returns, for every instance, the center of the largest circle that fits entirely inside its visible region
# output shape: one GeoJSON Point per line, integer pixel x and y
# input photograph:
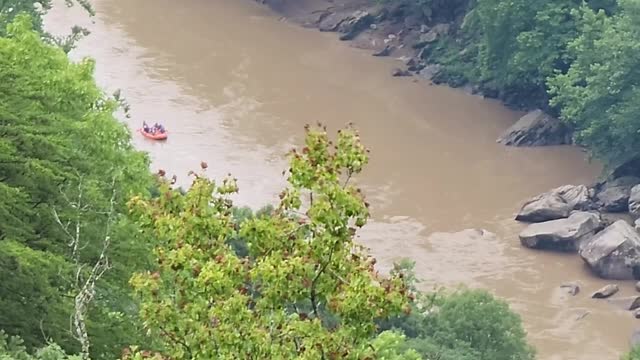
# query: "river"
{"type": "Point", "coordinates": [234, 84]}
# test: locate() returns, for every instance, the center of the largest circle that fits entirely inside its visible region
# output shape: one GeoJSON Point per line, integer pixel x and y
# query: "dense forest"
{"type": "Point", "coordinates": [100, 259]}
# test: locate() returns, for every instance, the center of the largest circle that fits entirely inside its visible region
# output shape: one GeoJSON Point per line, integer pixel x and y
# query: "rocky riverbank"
{"type": "Point", "coordinates": [395, 29]}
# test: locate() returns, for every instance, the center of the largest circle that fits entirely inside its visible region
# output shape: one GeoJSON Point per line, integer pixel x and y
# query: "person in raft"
{"type": "Point", "coordinates": [152, 130]}
{"type": "Point", "coordinates": [146, 128]}
{"type": "Point", "coordinates": [159, 128]}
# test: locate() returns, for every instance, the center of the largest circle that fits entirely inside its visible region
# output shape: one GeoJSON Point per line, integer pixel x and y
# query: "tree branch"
{"type": "Point", "coordinates": [314, 303]}
{"type": "Point", "coordinates": [86, 289]}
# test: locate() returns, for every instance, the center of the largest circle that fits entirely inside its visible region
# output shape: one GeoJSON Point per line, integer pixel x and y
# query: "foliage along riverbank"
{"type": "Point", "coordinates": [573, 59]}
{"type": "Point", "coordinates": [69, 245]}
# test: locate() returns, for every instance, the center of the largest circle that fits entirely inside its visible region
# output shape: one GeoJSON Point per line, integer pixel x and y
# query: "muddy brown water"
{"type": "Point", "coordinates": [234, 84]}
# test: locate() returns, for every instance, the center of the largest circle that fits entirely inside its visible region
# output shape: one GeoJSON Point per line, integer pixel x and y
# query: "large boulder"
{"type": "Point", "coordinates": [536, 129]}
{"type": "Point", "coordinates": [544, 207]}
{"type": "Point", "coordinates": [555, 204]}
{"type": "Point", "coordinates": [614, 253]}
{"type": "Point", "coordinates": [634, 201]}
{"type": "Point", "coordinates": [354, 24]}
{"type": "Point", "coordinates": [562, 234]}
{"type": "Point", "coordinates": [614, 194]}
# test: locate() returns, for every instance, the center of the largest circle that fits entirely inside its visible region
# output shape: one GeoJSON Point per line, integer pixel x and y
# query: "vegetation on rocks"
{"type": "Point", "coordinates": [572, 58]}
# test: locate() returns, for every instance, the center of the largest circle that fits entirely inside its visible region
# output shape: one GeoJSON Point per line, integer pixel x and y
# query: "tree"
{"type": "Point", "coordinates": [306, 289]}
{"type": "Point", "coordinates": [12, 348]}
{"type": "Point", "coordinates": [36, 10]}
{"type": "Point", "coordinates": [57, 132]}
{"type": "Point", "coordinates": [459, 325]}
{"type": "Point", "coordinates": [599, 93]}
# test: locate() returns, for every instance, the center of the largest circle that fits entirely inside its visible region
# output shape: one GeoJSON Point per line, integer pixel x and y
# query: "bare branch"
{"type": "Point", "coordinates": [86, 288]}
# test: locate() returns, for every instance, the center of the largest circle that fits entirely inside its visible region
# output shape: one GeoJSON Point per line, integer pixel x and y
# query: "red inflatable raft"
{"type": "Point", "coordinates": [157, 136]}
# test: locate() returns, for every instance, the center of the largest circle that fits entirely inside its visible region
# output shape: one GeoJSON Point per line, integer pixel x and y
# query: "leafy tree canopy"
{"type": "Point", "coordinates": [65, 161]}
{"type": "Point", "coordinates": [305, 289]}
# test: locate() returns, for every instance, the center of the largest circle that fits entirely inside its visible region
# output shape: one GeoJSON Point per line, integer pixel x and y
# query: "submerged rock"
{"type": "Point", "coordinates": [606, 291]}
{"type": "Point", "coordinates": [573, 288]}
{"type": "Point", "coordinates": [562, 234]}
{"type": "Point", "coordinates": [614, 195]}
{"type": "Point", "coordinates": [536, 129]}
{"type": "Point", "coordinates": [614, 253]}
{"type": "Point", "coordinates": [400, 72]}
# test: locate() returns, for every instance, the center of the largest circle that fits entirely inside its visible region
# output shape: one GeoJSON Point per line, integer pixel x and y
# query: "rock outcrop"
{"type": "Point", "coordinates": [555, 204]}
{"type": "Point", "coordinates": [349, 24]}
{"type": "Point", "coordinates": [536, 129]}
{"type": "Point", "coordinates": [354, 24]}
{"type": "Point", "coordinates": [614, 195]}
{"type": "Point", "coordinates": [562, 234]}
{"type": "Point", "coordinates": [614, 253]}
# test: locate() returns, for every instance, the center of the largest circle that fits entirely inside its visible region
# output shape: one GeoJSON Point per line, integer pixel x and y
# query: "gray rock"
{"type": "Point", "coordinates": [614, 195]}
{"type": "Point", "coordinates": [614, 253]}
{"type": "Point", "coordinates": [384, 52]}
{"type": "Point", "coordinates": [636, 314]}
{"type": "Point", "coordinates": [634, 200]}
{"type": "Point", "coordinates": [577, 196]}
{"type": "Point", "coordinates": [614, 199]}
{"type": "Point", "coordinates": [562, 234]}
{"type": "Point", "coordinates": [638, 286]}
{"type": "Point", "coordinates": [631, 167]}
{"type": "Point", "coordinates": [536, 129]}
{"type": "Point", "coordinates": [429, 37]}
{"type": "Point", "coordinates": [606, 291]}
{"type": "Point", "coordinates": [354, 24]}
{"type": "Point", "coordinates": [441, 29]}
{"type": "Point", "coordinates": [430, 71]}
{"type": "Point", "coordinates": [415, 65]}
{"type": "Point", "coordinates": [544, 207]}
{"type": "Point", "coordinates": [331, 21]}
{"type": "Point", "coordinates": [400, 72]}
